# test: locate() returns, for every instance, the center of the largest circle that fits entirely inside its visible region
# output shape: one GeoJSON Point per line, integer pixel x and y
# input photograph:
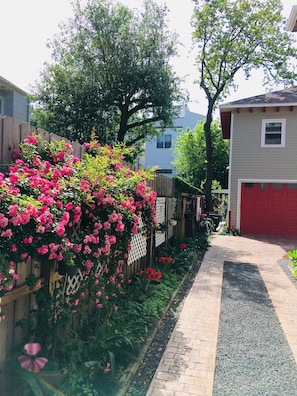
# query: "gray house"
{"type": "Point", "coordinates": [13, 101]}
{"type": "Point", "coordinates": [263, 163]}
{"type": "Point", "coordinates": [158, 150]}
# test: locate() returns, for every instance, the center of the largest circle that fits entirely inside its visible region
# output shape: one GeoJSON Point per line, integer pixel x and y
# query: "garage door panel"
{"type": "Point", "coordinates": [269, 209]}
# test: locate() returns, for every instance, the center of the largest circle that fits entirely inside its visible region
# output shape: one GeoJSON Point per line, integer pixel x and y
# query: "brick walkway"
{"type": "Point", "coordinates": [188, 364]}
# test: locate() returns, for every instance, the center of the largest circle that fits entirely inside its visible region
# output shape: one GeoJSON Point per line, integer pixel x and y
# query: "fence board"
{"type": "Point", "coordinates": [44, 134]}
{"type": "Point", "coordinates": [26, 130]}
{"type": "Point", "coordinates": [10, 140]}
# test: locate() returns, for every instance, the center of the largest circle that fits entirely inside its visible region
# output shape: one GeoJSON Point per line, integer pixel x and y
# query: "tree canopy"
{"type": "Point", "coordinates": [189, 155]}
{"type": "Point", "coordinates": [234, 35]}
{"type": "Point", "coordinates": [110, 73]}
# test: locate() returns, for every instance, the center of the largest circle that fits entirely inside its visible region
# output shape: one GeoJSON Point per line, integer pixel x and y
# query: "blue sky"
{"type": "Point", "coordinates": [26, 25]}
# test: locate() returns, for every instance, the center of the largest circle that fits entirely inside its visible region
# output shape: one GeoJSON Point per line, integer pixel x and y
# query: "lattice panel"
{"type": "Point", "coordinates": [160, 216]}
{"type": "Point", "coordinates": [73, 283]}
{"type": "Point", "coordinates": [160, 209]}
{"type": "Point", "coordinates": [160, 238]}
{"type": "Point", "coordinates": [139, 246]}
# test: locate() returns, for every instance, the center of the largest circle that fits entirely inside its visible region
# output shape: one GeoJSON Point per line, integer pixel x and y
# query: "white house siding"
{"type": "Point", "coordinates": [250, 162]}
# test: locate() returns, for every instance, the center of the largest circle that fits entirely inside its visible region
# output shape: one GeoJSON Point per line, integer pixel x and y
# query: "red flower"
{"type": "Point", "coordinates": [183, 245]}
{"type": "Point", "coordinates": [158, 274]}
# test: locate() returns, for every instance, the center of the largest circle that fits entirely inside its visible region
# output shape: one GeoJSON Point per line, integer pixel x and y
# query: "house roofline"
{"type": "Point", "coordinates": [12, 86]}
{"type": "Point", "coordinates": [226, 107]}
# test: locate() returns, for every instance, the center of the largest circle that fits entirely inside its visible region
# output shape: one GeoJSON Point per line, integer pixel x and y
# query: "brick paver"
{"type": "Point", "coordinates": [188, 364]}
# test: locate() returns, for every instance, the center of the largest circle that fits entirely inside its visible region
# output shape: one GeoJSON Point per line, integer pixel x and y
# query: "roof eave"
{"type": "Point", "coordinates": [229, 107]}
{"type": "Point", "coordinates": [11, 86]}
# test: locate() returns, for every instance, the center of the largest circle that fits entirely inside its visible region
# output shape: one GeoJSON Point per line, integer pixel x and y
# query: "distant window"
{"type": "Point", "coordinates": [168, 141]}
{"type": "Point", "coordinates": [273, 133]}
{"type": "Point", "coordinates": [160, 141]}
{"type": "Point", "coordinates": [164, 141]}
{"type": "Point", "coordinates": [249, 185]}
{"type": "Point", "coordinates": [263, 185]}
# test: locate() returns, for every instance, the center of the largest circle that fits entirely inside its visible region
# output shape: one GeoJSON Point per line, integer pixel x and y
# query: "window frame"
{"type": "Point", "coordinates": [265, 121]}
{"type": "Point", "coordinates": [164, 141]}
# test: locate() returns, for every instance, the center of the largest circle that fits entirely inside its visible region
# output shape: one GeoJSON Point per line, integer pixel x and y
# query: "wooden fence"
{"type": "Point", "coordinates": [18, 303]}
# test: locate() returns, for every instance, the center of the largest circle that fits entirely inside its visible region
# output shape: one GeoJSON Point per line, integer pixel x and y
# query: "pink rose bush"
{"type": "Point", "coordinates": [54, 206]}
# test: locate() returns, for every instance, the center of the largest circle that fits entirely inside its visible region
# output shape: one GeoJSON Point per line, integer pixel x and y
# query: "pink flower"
{"type": "Point", "coordinates": [60, 229]}
{"type": "Point", "coordinates": [31, 140]}
{"type": "Point", "coordinates": [43, 249]}
{"type": "Point", "coordinates": [106, 225]}
{"type": "Point", "coordinates": [28, 362]}
{"type": "Point", "coordinates": [69, 206]}
{"type": "Point", "coordinates": [13, 210]}
{"type": "Point", "coordinates": [120, 226]}
{"type": "Point", "coordinates": [3, 221]}
{"type": "Point", "coordinates": [7, 234]}
{"type": "Point", "coordinates": [28, 240]}
{"type": "Point", "coordinates": [13, 178]}
{"type": "Point", "coordinates": [112, 218]}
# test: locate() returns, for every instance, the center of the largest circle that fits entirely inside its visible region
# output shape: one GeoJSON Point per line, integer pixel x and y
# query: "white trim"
{"type": "Point", "coordinates": [239, 183]}
{"type": "Point", "coordinates": [230, 167]}
{"type": "Point", "coordinates": [283, 132]}
{"type": "Point", "coordinates": [232, 106]}
{"type": "Point", "coordinates": [292, 19]}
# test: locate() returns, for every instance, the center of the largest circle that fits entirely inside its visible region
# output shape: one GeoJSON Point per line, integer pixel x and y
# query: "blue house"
{"type": "Point", "coordinates": [158, 150]}
{"type": "Point", "coordinates": [13, 101]}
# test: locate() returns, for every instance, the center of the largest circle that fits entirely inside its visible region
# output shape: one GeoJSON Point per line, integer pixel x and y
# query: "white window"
{"type": "Point", "coordinates": [164, 141]}
{"type": "Point", "coordinates": [273, 133]}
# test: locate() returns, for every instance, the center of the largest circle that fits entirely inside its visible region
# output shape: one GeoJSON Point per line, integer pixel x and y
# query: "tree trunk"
{"type": "Point", "coordinates": [123, 124]}
{"type": "Point", "coordinates": [209, 171]}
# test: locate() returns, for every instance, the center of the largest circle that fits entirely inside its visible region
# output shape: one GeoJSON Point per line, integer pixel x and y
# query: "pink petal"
{"type": "Point", "coordinates": [41, 361]}
{"type": "Point", "coordinates": [25, 362]}
{"type": "Point", "coordinates": [34, 367]}
{"type": "Point", "coordinates": [32, 348]}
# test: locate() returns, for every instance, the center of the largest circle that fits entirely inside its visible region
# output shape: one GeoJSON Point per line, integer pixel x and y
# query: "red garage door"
{"type": "Point", "coordinates": [269, 209]}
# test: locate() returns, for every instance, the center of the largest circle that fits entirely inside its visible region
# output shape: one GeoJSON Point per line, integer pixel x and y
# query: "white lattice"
{"type": "Point", "coordinates": [139, 246]}
{"type": "Point", "coordinates": [160, 238]}
{"type": "Point", "coordinates": [160, 209]}
{"type": "Point", "coordinates": [160, 216]}
{"type": "Point", "coordinates": [73, 283]}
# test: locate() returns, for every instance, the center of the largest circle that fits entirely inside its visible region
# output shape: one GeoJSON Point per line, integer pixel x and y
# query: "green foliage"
{"type": "Point", "coordinates": [247, 36]}
{"type": "Point", "coordinates": [190, 155]}
{"type": "Point", "coordinates": [109, 73]}
{"type": "Point", "coordinates": [292, 254]}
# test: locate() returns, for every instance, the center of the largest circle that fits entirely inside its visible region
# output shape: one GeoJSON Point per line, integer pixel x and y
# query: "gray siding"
{"type": "Point", "coordinates": [250, 161]}
{"type": "Point", "coordinates": [15, 105]}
